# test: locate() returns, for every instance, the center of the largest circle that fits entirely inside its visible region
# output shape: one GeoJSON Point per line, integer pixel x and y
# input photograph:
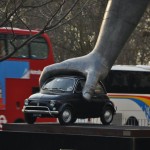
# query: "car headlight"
{"type": "Point", "coordinates": [26, 102]}
{"type": "Point", "coordinates": [54, 108]}
{"type": "Point", "coordinates": [52, 103]}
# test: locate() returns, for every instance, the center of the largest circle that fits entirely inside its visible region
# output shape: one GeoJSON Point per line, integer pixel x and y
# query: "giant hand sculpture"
{"type": "Point", "coordinates": [120, 19]}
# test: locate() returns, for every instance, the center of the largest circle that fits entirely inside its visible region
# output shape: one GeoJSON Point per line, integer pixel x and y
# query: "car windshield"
{"type": "Point", "coordinates": [59, 84]}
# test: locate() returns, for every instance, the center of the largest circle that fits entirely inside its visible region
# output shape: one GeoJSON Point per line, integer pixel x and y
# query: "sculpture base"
{"type": "Point", "coordinates": [52, 136]}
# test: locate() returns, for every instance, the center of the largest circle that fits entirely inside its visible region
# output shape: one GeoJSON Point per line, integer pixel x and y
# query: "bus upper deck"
{"type": "Point", "coordinates": [19, 75]}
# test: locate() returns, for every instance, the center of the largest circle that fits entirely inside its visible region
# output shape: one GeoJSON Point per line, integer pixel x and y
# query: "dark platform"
{"type": "Point", "coordinates": [52, 136]}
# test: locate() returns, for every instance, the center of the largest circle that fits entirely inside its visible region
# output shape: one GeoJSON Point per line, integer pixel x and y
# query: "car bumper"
{"type": "Point", "coordinates": [39, 110]}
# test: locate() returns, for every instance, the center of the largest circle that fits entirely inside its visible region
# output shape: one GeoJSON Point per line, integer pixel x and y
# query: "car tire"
{"type": "Point", "coordinates": [107, 115]}
{"type": "Point", "coordinates": [66, 116]}
{"type": "Point", "coordinates": [29, 118]}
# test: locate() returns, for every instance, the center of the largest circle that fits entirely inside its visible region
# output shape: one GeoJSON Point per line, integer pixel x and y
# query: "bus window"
{"type": "Point", "coordinates": [36, 49]}
{"type": "Point", "coordinates": [23, 52]}
{"type": "Point", "coordinates": [19, 74]}
{"type": "Point", "coordinates": [2, 45]}
{"type": "Point", "coordinates": [128, 82]}
{"type": "Point", "coordinates": [2, 48]}
{"type": "Point", "coordinates": [39, 48]}
{"type": "Point", "coordinates": [116, 81]}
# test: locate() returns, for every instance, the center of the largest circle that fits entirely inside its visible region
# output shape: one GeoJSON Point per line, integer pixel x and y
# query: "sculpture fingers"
{"type": "Point", "coordinates": [71, 66]}
{"type": "Point", "coordinates": [90, 85]}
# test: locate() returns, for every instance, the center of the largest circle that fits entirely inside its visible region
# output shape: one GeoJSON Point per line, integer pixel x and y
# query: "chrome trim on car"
{"type": "Point", "coordinates": [38, 109]}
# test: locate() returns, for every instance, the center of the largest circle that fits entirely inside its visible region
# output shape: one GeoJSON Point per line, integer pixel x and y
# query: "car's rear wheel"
{"type": "Point", "coordinates": [107, 115]}
{"type": "Point", "coordinates": [66, 116]}
{"type": "Point", "coordinates": [29, 118]}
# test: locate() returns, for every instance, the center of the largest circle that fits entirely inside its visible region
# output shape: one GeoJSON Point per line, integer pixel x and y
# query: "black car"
{"type": "Point", "coordinates": [61, 97]}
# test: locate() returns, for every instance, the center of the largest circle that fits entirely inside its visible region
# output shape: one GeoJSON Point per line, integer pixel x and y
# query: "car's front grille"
{"type": "Point", "coordinates": [37, 108]}
{"type": "Point", "coordinates": [33, 103]}
{"type": "Point", "coordinates": [37, 103]}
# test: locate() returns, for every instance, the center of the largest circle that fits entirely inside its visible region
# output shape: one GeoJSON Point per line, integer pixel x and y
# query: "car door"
{"type": "Point", "coordinates": [82, 105]}
{"type": "Point", "coordinates": [99, 99]}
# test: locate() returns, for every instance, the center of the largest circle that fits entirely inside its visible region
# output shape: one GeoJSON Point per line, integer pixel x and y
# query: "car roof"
{"type": "Point", "coordinates": [70, 76]}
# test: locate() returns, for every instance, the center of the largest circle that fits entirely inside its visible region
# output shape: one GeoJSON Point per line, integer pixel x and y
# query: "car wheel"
{"type": "Point", "coordinates": [107, 115]}
{"type": "Point", "coordinates": [19, 121]}
{"type": "Point", "coordinates": [66, 116]}
{"type": "Point", "coordinates": [29, 118]}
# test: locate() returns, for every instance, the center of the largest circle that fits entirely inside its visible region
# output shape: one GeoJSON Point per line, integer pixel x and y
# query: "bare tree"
{"type": "Point", "coordinates": [14, 12]}
{"type": "Point", "coordinates": [79, 36]}
{"type": "Point", "coordinates": [79, 23]}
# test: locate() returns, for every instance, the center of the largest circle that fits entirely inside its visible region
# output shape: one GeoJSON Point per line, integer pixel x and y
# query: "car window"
{"type": "Point", "coordinates": [99, 89]}
{"type": "Point", "coordinates": [59, 84]}
{"type": "Point", "coordinates": [80, 85]}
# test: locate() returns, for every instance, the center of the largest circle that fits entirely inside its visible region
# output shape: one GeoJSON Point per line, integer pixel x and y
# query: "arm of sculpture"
{"type": "Point", "coordinates": [120, 19]}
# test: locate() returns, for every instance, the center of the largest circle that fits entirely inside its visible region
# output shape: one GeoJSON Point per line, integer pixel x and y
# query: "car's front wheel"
{"type": "Point", "coordinates": [107, 115]}
{"type": "Point", "coordinates": [29, 118]}
{"type": "Point", "coordinates": [66, 116]}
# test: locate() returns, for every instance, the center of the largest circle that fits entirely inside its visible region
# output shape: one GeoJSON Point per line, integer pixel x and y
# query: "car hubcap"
{"type": "Point", "coordinates": [66, 116]}
{"type": "Point", "coordinates": [108, 116]}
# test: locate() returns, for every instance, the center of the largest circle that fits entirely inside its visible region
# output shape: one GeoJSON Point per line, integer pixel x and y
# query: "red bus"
{"type": "Point", "coordinates": [19, 75]}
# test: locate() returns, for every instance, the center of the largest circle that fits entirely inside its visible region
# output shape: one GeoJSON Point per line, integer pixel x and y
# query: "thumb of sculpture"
{"type": "Point", "coordinates": [89, 86]}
